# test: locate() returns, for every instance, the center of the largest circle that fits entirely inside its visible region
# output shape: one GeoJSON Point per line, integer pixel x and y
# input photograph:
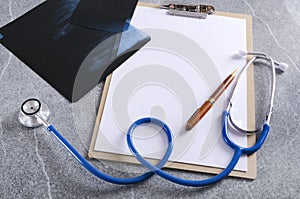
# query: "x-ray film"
{"type": "Point", "coordinates": [72, 57]}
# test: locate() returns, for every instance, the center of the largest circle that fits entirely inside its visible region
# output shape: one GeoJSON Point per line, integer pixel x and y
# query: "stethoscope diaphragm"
{"type": "Point", "coordinates": [28, 111]}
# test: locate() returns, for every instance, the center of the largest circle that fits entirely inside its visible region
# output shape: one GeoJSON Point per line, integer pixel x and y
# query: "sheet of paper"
{"type": "Point", "coordinates": [169, 78]}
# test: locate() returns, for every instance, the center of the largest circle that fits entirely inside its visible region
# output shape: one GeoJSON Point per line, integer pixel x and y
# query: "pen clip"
{"type": "Point", "coordinates": [198, 11]}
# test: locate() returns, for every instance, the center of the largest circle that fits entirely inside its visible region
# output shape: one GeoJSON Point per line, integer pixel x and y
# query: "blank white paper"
{"type": "Point", "coordinates": [169, 78]}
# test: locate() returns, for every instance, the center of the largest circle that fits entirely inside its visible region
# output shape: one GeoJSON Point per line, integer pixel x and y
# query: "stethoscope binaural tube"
{"type": "Point", "coordinates": [280, 66]}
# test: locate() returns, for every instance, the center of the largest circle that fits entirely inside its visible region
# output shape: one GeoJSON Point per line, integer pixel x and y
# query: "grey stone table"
{"type": "Point", "coordinates": [34, 165]}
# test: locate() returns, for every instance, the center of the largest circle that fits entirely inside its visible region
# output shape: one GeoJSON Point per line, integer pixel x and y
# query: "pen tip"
{"type": "Point", "coordinates": [188, 127]}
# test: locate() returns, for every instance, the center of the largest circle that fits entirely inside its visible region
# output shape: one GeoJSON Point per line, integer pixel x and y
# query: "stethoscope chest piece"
{"type": "Point", "coordinates": [28, 111]}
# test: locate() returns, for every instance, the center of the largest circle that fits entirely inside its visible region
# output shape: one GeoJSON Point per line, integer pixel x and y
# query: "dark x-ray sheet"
{"type": "Point", "coordinates": [72, 57]}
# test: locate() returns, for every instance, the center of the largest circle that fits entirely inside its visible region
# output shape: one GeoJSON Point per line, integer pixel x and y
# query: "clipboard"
{"type": "Point", "coordinates": [251, 160]}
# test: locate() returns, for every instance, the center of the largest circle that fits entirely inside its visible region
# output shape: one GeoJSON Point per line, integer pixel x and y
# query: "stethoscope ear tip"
{"type": "Point", "coordinates": [282, 67]}
{"type": "Point", "coordinates": [240, 54]}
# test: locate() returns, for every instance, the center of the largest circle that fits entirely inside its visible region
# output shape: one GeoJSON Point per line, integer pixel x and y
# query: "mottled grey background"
{"type": "Point", "coordinates": [34, 165]}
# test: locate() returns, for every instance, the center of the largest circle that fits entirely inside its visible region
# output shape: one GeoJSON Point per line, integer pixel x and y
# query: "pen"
{"type": "Point", "coordinates": [200, 112]}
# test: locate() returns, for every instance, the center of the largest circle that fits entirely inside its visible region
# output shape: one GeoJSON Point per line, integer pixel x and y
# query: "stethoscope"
{"type": "Point", "coordinates": [34, 113]}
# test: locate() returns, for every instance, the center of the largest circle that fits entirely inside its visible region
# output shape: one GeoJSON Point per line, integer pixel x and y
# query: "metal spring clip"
{"type": "Point", "coordinates": [198, 11]}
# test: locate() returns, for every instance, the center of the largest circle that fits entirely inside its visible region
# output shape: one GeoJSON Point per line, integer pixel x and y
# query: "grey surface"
{"type": "Point", "coordinates": [34, 165]}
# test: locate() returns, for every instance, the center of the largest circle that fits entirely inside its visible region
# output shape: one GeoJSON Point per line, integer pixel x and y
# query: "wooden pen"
{"type": "Point", "coordinates": [200, 112]}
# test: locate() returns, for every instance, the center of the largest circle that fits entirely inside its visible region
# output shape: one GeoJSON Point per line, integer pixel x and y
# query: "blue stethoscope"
{"type": "Point", "coordinates": [34, 113]}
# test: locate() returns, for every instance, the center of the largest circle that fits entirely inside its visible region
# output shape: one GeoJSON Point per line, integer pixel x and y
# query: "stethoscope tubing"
{"type": "Point", "coordinates": [238, 151]}
{"type": "Point", "coordinates": [103, 176]}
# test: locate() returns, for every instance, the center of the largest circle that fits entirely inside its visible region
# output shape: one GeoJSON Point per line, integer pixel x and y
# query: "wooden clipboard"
{"type": "Point", "coordinates": [251, 160]}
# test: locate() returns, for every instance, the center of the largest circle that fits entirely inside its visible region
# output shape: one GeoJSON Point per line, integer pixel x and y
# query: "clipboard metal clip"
{"type": "Point", "coordinates": [197, 11]}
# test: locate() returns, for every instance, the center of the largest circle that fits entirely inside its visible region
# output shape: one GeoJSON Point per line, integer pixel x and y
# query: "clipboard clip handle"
{"type": "Point", "coordinates": [198, 11]}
